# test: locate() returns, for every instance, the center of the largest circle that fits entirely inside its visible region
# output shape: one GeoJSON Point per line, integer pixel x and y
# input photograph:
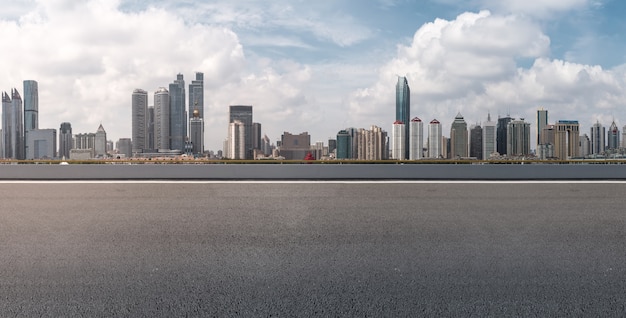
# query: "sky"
{"type": "Point", "coordinates": [320, 66]}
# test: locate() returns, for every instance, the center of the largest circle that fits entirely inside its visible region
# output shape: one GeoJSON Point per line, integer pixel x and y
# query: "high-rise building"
{"type": "Point", "coordinates": [139, 109]}
{"type": "Point", "coordinates": [371, 143]}
{"type": "Point", "coordinates": [178, 115]}
{"type": "Point", "coordinates": [236, 140]}
{"type": "Point", "coordinates": [597, 138]}
{"type": "Point", "coordinates": [65, 140]}
{"type": "Point", "coordinates": [295, 147]}
{"type": "Point", "coordinates": [31, 109]}
{"type": "Point", "coordinates": [502, 129]}
{"type": "Point", "coordinates": [196, 96]}
{"type": "Point", "coordinates": [150, 141]}
{"type": "Point", "coordinates": [244, 115]}
{"type": "Point", "coordinates": [623, 144]}
{"type": "Point", "coordinates": [100, 145]}
{"type": "Point", "coordinates": [542, 122]}
{"type": "Point", "coordinates": [567, 139]}
{"type": "Point", "coordinates": [162, 119]}
{"type": "Point", "coordinates": [585, 145]}
{"type": "Point", "coordinates": [518, 138]}
{"type": "Point", "coordinates": [256, 136]}
{"type": "Point", "coordinates": [344, 145]}
{"type": "Point", "coordinates": [476, 142]}
{"type": "Point", "coordinates": [489, 138]}
{"type": "Point", "coordinates": [398, 141]}
{"type": "Point", "coordinates": [196, 133]}
{"type": "Point", "coordinates": [434, 139]}
{"type": "Point", "coordinates": [13, 126]}
{"type": "Point", "coordinates": [332, 145]}
{"type": "Point", "coordinates": [416, 139]}
{"type": "Point", "coordinates": [266, 146]}
{"type": "Point", "coordinates": [613, 137]}
{"type": "Point", "coordinates": [403, 110]}
{"type": "Point", "coordinates": [458, 138]}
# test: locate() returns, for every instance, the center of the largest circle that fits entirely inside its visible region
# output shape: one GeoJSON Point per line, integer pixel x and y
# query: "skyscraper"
{"type": "Point", "coordinates": [597, 138]}
{"type": "Point", "coordinates": [542, 122]}
{"type": "Point", "coordinates": [162, 119]}
{"type": "Point", "coordinates": [31, 108]}
{"type": "Point", "coordinates": [434, 139]}
{"type": "Point", "coordinates": [65, 140]}
{"type": "Point", "coordinates": [244, 114]}
{"type": "Point", "coordinates": [416, 139]}
{"type": "Point", "coordinates": [13, 126]}
{"type": "Point", "coordinates": [403, 109]}
{"type": "Point", "coordinates": [613, 137]}
{"type": "Point", "coordinates": [344, 145]}
{"type": "Point", "coordinates": [236, 140]}
{"type": "Point", "coordinates": [398, 141]}
{"type": "Point", "coordinates": [567, 139]}
{"type": "Point", "coordinates": [476, 142]}
{"type": "Point", "coordinates": [489, 138]}
{"type": "Point", "coordinates": [100, 145]}
{"type": "Point", "coordinates": [196, 95]}
{"type": "Point", "coordinates": [178, 115]}
{"type": "Point", "coordinates": [502, 130]}
{"type": "Point", "coordinates": [518, 138]}
{"type": "Point", "coordinates": [256, 136]}
{"type": "Point", "coordinates": [196, 132]}
{"type": "Point", "coordinates": [458, 138]}
{"type": "Point", "coordinates": [139, 109]}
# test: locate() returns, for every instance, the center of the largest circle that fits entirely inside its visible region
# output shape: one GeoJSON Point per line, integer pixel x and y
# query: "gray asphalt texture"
{"type": "Point", "coordinates": [327, 250]}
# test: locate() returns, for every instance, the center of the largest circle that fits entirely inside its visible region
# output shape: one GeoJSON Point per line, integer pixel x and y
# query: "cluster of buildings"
{"type": "Point", "coordinates": [174, 126]}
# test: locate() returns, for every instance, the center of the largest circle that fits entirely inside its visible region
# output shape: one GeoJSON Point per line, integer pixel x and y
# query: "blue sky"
{"type": "Point", "coordinates": [320, 66]}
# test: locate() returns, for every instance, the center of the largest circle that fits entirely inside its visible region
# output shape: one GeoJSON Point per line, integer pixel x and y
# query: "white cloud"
{"type": "Point", "coordinates": [470, 65]}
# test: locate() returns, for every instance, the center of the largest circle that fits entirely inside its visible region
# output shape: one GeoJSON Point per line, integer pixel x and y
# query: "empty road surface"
{"type": "Point", "coordinates": [312, 249]}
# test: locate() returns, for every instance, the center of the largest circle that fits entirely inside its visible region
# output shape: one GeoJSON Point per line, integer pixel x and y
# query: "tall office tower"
{"type": "Point", "coordinates": [196, 95]}
{"type": "Point", "coordinates": [344, 145]}
{"type": "Point", "coordinates": [124, 147]}
{"type": "Point", "coordinates": [13, 126]}
{"type": "Point", "coordinates": [416, 139]}
{"type": "Point", "coordinates": [236, 140]}
{"type": "Point", "coordinates": [332, 145]}
{"type": "Point", "coordinates": [501, 138]}
{"type": "Point", "coordinates": [613, 137]}
{"type": "Point", "coordinates": [196, 132]}
{"type": "Point", "coordinates": [476, 142]}
{"type": "Point", "coordinates": [623, 142]}
{"type": "Point", "coordinates": [542, 121]}
{"type": "Point", "coordinates": [31, 108]}
{"type": "Point", "coordinates": [266, 146]}
{"type": "Point", "coordinates": [162, 119]}
{"type": "Point", "coordinates": [518, 138]}
{"type": "Point", "coordinates": [585, 145]}
{"type": "Point", "coordinates": [256, 136]}
{"type": "Point", "coordinates": [458, 138]}
{"type": "Point", "coordinates": [597, 138]}
{"type": "Point", "coordinates": [567, 139]}
{"type": "Point", "coordinates": [434, 139]}
{"type": "Point", "coordinates": [489, 138]}
{"type": "Point", "coordinates": [398, 141]}
{"type": "Point", "coordinates": [139, 109]}
{"type": "Point", "coordinates": [403, 109]}
{"type": "Point", "coordinates": [244, 114]}
{"type": "Point", "coordinates": [100, 145]}
{"type": "Point", "coordinates": [65, 140]}
{"type": "Point", "coordinates": [178, 115]}
{"type": "Point", "coordinates": [150, 143]}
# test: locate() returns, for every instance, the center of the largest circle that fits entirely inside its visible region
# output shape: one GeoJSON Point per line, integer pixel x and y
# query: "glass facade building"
{"type": "Point", "coordinates": [403, 109]}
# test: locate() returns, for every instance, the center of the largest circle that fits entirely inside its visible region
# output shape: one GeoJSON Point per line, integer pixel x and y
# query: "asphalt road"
{"type": "Point", "coordinates": [236, 249]}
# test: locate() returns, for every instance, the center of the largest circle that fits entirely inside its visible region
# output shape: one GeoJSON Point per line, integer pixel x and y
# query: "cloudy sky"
{"type": "Point", "coordinates": [320, 66]}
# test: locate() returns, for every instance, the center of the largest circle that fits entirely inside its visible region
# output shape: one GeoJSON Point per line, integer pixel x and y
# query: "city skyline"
{"type": "Point", "coordinates": [320, 67]}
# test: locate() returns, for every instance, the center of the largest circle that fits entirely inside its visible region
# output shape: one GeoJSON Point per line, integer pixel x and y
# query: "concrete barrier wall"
{"type": "Point", "coordinates": [313, 171]}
